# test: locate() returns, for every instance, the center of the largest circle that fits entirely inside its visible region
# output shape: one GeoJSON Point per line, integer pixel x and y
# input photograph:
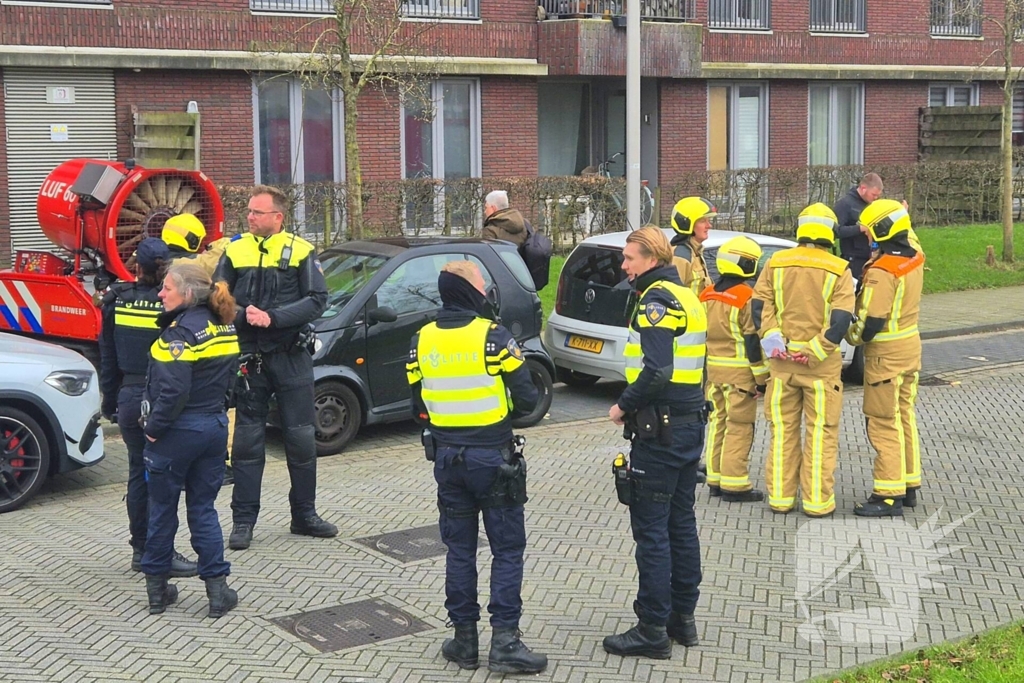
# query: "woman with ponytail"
{"type": "Point", "coordinates": [191, 367]}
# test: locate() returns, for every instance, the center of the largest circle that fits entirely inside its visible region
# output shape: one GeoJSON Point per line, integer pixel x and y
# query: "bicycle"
{"type": "Point", "coordinates": [619, 198]}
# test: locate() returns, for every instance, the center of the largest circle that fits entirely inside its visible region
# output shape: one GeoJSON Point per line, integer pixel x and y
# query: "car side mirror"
{"type": "Point", "coordinates": [383, 314]}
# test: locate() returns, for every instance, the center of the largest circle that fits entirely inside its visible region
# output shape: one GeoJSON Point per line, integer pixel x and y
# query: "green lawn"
{"type": "Point", "coordinates": [956, 258]}
{"type": "Point", "coordinates": [547, 295]}
{"type": "Point", "coordinates": [993, 657]}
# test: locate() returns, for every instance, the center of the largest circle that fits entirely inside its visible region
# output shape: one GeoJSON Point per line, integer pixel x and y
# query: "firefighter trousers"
{"type": "Point", "coordinates": [730, 436]}
{"type": "Point", "coordinates": [792, 401]}
{"type": "Point", "coordinates": [892, 430]}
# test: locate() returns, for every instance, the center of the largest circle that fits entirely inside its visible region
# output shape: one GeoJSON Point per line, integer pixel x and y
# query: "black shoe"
{"type": "Point", "coordinates": [229, 476]}
{"type": "Point", "coordinates": [910, 499]}
{"type": "Point", "coordinates": [314, 526]}
{"type": "Point", "coordinates": [643, 640]}
{"type": "Point", "coordinates": [510, 656]}
{"type": "Point", "coordinates": [136, 560]}
{"type": "Point", "coordinates": [181, 566]}
{"type": "Point", "coordinates": [682, 628]}
{"type": "Point", "coordinates": [702, 473]}
{"type": "Point", "coordinates": [222, 599]}
{"type": "Point", "coordinates": [241, 536]}
{"type": "Point", "coordinates": [464, 648]}
{"type": "Point", "coordinates": [876, 506]}
{"type": "Point", "coordinates": [751, 496]}
{"type": "Point", "coordinates": [160, 594]}
{"type": "Point", "coordinates": [716, 491]}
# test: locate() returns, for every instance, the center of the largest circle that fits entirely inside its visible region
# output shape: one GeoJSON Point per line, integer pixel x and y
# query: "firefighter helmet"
{"type": "Point", "coordinates": [738, 256]}
{"type": "Point", "coordinates": [885, 219]}
{"type": "Point", "coordinates": [185, 231]}
{"type": "Point", "coordinates": [816, 225]}
{"type": "Point", "coordinates": [688, 211]}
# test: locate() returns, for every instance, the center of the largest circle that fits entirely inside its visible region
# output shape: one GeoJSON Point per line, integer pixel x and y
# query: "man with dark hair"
{"type": "Point", "coordinates": [854, 240]}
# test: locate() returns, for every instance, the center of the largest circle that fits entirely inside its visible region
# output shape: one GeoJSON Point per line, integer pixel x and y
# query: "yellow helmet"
{"type": "Point", "coordinates": [185, 231]}
{"type": "Point", "coordinates": [738, 256]}
{"type": "Point", "coordinates": [688, 211]}
{"type": "Point", "coordinates": [885, 218]}
{"type": "Point", "coordinates": [816, 225]}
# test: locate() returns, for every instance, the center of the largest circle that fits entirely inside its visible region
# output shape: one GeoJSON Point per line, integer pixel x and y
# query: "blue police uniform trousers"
{"type": "Point", "coordinates": [665, 525]}
{"type": "Point", "coordinates": [464, 478]}
{"type": "Point", "coordinates": [129, 408]}
{"type": "Point", "coordinates": [190, 457]}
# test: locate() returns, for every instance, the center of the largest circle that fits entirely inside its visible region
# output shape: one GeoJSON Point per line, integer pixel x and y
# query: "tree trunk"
{"type": "Point", "coordinates": [1007, 151]}
{"type": "Point", "coordinates": [353, 166]}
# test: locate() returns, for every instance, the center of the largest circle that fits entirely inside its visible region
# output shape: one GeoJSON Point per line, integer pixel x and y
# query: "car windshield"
{"type": "Point", "coordinates": [346, 272]}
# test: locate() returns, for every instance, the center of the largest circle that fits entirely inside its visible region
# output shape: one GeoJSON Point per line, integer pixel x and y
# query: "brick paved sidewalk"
{"type": "Point", "coordinates": [72, 611]}
{"type": "Point", "coordinates": [951, 314]}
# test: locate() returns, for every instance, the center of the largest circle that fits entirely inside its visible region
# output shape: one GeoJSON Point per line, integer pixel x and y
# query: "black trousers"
{"type": "Point", "coordinates": [289, 376]}
{"type": "Point", "coordinates": [129, 408]}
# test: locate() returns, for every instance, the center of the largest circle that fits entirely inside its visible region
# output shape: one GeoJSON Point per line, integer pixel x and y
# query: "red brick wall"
{"type": "Point", "coordinates": [891, 120]}
{"type": "Point", "coordinates": [990, 94]}
{"type": "Point", "coordinates": [787, 123]}
{"type": "Point", "coordinates": [509, 127]}
{"type": "Point", "coordinates": [225, 102]}
{"type": "Point", "coordinates": [683, 117]}
{"type": "Point", "coordinates": [5, 208]}
{"type": "Point", "coordinates": [379, 135]}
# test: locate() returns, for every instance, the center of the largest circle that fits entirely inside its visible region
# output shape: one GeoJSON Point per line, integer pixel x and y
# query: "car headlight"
{"type": "Point", "coordinates": [70, 382]}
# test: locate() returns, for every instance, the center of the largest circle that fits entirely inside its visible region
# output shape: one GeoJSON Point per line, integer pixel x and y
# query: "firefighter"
{"type": "Point", "coordinates": [887, 311]}
{"type": "Point", "coordinates": [184, 235]}
{"type": "Point", "coordinates": [737, 371]}
{"type": "Point", "coordinates": [468, 381]}
{"type": "Point", "coordinates": [691, 219]}
{"type": "Point", "coordinates": [663, 410]}
{"type": "Point", "coordinates": [804, 302]}
{"type": "Point", "coordinates": [279, 285]}
{"type": "Point", "coordinates": [130, 311]}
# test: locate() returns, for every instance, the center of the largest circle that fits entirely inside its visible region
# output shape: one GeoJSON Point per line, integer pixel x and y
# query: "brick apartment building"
{"type": "Point", "coordinates": [535, 87]}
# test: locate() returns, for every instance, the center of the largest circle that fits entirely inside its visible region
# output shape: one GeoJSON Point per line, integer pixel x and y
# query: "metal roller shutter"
{"type": "Point", "coordinates": [91, 122]}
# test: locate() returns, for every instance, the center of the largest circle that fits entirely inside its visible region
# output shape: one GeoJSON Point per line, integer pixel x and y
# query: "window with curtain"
{"type": "Point", "coordinates": [835, 135]}
{"type": "Point", "coordinates": [952, 95]}
{"type": "Point", "coordinates": [297, 131]}
{"type": "Point", "coordinates": [737, 126]}
{"type": "Point", "coordinates": [563, 130]}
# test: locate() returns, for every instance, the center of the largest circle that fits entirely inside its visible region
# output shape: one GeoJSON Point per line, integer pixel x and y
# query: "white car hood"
{"type": "Point", "coordinates": [22, 351]}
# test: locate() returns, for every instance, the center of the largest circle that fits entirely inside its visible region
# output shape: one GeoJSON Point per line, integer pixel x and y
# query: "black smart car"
{"type": "Point", "coordinates": [381, 293]}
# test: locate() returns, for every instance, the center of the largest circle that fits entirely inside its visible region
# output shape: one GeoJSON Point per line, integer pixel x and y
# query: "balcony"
{"type": "Point", "coordinates": [839, 16]}
{"type": "Point", "coordinates": [413, 9]}
{"type": "Point", "coordinates": [742, 15]}
{"type": "Point", "coordinates": [650, 10]}
{"type": "Point", "coordinates": [958, 18]}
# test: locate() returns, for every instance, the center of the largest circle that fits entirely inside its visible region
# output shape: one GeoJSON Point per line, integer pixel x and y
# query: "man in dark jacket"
{"type": "Point", "coordinates": [853, 238]}
{"type": "Point", "coordinates": [501, 222]}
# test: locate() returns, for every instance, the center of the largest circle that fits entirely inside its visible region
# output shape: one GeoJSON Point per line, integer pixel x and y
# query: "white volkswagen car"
{"type": "Point", "coordinates": [586, 333]}
{"type": "Point", "coordinates": [49, 416]}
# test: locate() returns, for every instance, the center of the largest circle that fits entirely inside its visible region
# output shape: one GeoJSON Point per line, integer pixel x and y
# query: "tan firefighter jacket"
{"type": "Point", "coordinates": [730, 326]}
{"type": "Point", "coordinates": [689, 261]}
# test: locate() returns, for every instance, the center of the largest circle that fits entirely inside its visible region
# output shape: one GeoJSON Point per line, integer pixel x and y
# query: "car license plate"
{"type": "Point", "coordinates": [575, 341]}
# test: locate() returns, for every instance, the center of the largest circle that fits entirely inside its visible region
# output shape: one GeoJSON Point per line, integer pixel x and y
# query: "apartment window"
{"type": "Point", "coordinates": [740, 14]}
{"type": "Point", "coordinates": [737, 126]}
{"type": "Point", "coordinates": [1018, 117]}
{"type": "Point", "coordinates": [441, 9]}
{"type": "Point", "coordinates": [952, 95]}
{"type": "Point", "coordinates": [839, 16]}
{"type": "Point", "coordinates": [956, 17]}
{"type": "Point", "coordinates": [298, 132]}
{"type": "Point", "coordinates": [563, 128]}
{"type": "Point", "coordinates": [836, 124]}
{"type": "Point", "coordinates": [306, 6]}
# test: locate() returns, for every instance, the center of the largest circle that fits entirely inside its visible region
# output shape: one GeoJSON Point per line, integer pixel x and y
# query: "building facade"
{"type": "Point", "coordinates": [530, 87]}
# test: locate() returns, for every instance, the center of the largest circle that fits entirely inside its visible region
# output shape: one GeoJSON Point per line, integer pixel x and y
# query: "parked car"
{"type": "Point", "coordinates": [49, 416]}
{"type": "Point", "coordinates": [587, 331]}
{"type": "Point", "coordinates": [381, 293]}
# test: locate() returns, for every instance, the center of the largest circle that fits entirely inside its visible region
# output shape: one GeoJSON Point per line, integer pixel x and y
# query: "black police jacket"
{"type": "Point", "coordinates": [279, 274]}
{"type": "Point", "coordinates": [191, 367]}
{"type": "Point", "coordinates": [130, 312]}
{"type": "Point", "coordinates": [853, 244]}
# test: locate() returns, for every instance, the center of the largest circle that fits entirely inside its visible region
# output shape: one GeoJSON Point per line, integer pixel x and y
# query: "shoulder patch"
{"type": "Point", "coordinates": [513, 348]}
{"type": "Point", "coordinates": [319, 266]}
{"type": "Point", "coordinates": [176, 348]}
{"type": "Point", "coordinates": [654, 312]}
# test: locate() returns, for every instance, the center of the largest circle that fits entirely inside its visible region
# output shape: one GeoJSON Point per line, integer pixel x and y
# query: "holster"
{"type": "Point", "coordinates": [653, 423]}
{"type": "Point", "coordinates": [623, 480]}
{"type": "Point", "coordinates": [429, 445]}
{"type": "Point", "coordinates": [509, 488]}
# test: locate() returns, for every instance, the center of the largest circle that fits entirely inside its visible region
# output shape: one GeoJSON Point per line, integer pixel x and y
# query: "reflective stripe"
{"type": "Point", "coordinates": [727, 362]}
{"type": "Point", "coordinates": [815, 346]}
{"type": "Point", "coordinates": [712, 475]}
{"type": "Point", "coordinates": [826, 292]}
{"type": "Point", "coordinates": [780, 304]}
{"type": "Point", "coordinates": [816, 220]}
{"type": "Point", "coordinates": [775, 498]}
{"type": "Point", "coordinates": [736, 333]}
{"type": "Point", "coordinates": [895, 336]}
{"type": "Point", "coordinates": [811, 506]}
{"type": "Point", "coordinates": [818, 441]}
{"type": "Point", "coordinates": [462, 407]}
{"type": "Point", "coordinates": [450, 383]}
{"type": "Point", "coordinates": [735, 481]}
{"type": "Point", "coordinates": [914, 465]}
{"type": "Point", "coordinates": [886, 485]}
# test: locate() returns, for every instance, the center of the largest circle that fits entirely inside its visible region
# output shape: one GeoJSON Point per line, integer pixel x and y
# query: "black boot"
{"type": "Point", "coordinates": [313, 525]}
{"type": "Point", "coordinates": [510, 656]}
{"type": "Point", "coordinates": [160, 593]}
{"type": "Point", "coordinates": [241, 536]}
{"type": "Point", "coordinates": [880, 507]}
{"type": "Point", "coordinates": [751, 496]}
{"type": "Point", "coordinates": [464, 648]}
{"type": "Point", "coordinates": [716, 491]}
{"type": "Point", "coordinates": [702, 473]}
{"type": "Point", "coordinates": [910, 499]}
{"type": "Point", "coordinates": [682, 628]}
{"type": "Point", "coordinates": [181, 566]}
{"type": "Point", "coordinates": [222, 598]}
{"type": "Point", "coordinates": [643, 640]}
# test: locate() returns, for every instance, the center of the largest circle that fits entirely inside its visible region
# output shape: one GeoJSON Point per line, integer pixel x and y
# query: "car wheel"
{"type": "Point", "coordinates": [338, 417]}
{"type": "Point", "coordinates": [542, 380]}
{"type": "Point", "coordinates": [579, 380]}
{"type": "Point", "coordinates": [24, 458]}
{"type": "Point", "coordinates": [854, 372]}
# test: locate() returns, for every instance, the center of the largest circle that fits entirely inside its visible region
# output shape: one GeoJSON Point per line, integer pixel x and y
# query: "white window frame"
{"type": "Point", "coordinates": [440, 9]}
{"type": "Point", "coordinates": [762, 124]}
{"type": "Point", "coordinates": [950, 87]}
{"type": "Point", "coordinates": [322, 7]}
{"type": "Point", "coordinates": [833, 141]}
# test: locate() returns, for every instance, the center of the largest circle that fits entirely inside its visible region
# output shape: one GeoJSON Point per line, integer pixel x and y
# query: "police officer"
{"type": "Point", "coordinates": [468, 381]}
{"type": "Point", "coordinates": [184, 235]}
{"type": "Point", "coordinates": [192, 364]}
{"type": "Point", "coordinates": [130, 311]}
{"type": "Point", "coordinates": [691, 220]}
{"type": "Point", "coordinates": [888, 305]}
{"type": "Point", "coordinates": [663, 406]}
{"type": "Point", "coordinates": [279, 286]}
{"type": "Point", "coordinates": [804, 302]}
{"type": "Point", "coordinates": [737, 372]}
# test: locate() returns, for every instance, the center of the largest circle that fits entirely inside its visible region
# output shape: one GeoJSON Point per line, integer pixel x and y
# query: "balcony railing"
{"type": "Point", "coordinates": [755, 15]}
{"type": "Point", "coordinates": [416, 9]}
{"type": "Point", "coordinates": [956, 18]}
{"type": "Point", "coordinates": [668, 10]}
{"type": "Point", "coordinates": [839, 16]}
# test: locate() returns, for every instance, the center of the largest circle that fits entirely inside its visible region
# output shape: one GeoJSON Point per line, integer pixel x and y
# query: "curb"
{"type": "Point", "coordinates": [976, 329]}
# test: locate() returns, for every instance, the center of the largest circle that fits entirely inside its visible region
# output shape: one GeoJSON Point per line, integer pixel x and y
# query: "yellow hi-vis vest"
{"type": "Point", "coordinates": [458, 390]}
{"type": "Point", "coordinates": [689, 322]}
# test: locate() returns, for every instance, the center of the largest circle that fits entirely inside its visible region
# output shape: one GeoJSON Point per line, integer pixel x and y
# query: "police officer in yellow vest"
{"type": "Point", "coordinates": [887, 311]}
{"type": "Point", "coordinates": [804, 302]}
{"type": "Point", "coordinates": [663, 408]}
{"type": "Point", "coordinates": [691, 220]}
{"type": "Point", "coordinates": [468, 380]}
{"type": "Point", "coordinates": [737, 371]}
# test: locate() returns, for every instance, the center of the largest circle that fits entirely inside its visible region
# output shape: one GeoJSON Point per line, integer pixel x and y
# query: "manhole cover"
{"type": "Point", "coordinates": [351, 625]}
{"type": "Point", "coordinates": [408, 545]}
